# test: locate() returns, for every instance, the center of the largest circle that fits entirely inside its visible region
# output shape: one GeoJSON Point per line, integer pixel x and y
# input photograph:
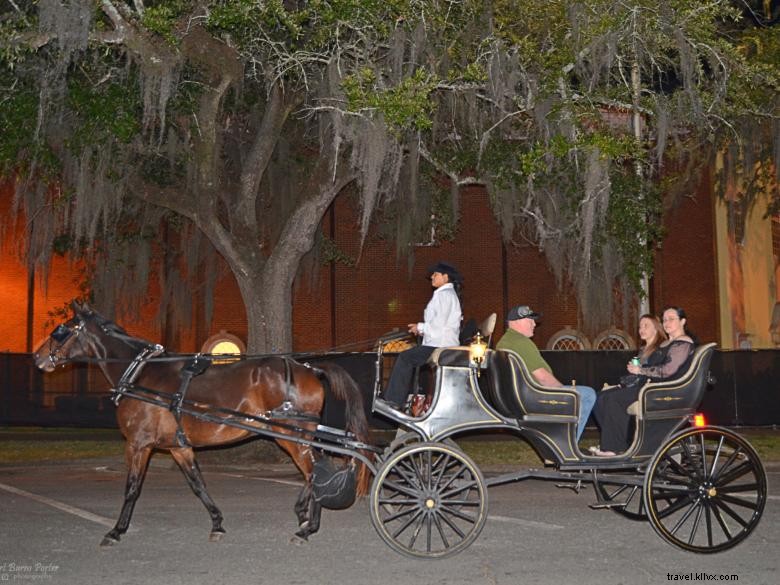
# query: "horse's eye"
{"type": "Point", "coordinates": [61, 333]}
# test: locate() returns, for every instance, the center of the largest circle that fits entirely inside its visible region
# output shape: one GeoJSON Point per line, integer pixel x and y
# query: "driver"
{"type": "Point", "coordinates": [521, 322]}
{"type": "Point", "coordinates": [439, 328]}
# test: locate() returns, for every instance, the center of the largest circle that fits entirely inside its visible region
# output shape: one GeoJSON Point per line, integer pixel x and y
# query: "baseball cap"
{"type": "Point", "coordinates": [522, 312]}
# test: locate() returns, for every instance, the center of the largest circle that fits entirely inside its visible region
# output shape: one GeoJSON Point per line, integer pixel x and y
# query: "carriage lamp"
{"type": "Point", "coordinates": [699, 420]}
{"type": "Point", "coordinates": [477, 351]}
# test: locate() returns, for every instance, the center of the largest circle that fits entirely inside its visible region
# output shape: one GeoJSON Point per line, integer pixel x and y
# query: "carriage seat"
{"type": "Point", "coordinates": [459, 356]}
{"type": "Point", "coordinates": [678, 397]}
{"type": "Point", "coordinates": [511, 389]}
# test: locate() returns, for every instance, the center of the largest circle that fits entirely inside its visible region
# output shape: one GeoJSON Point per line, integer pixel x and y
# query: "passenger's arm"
{"type": "Point", "coordinates": [676, 356]}
{"type": "Point", "coordinates": [545, 378]}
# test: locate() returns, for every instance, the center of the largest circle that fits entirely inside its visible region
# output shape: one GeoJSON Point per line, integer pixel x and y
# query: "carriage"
{"type": "Point", "coordinates": [702, 488]}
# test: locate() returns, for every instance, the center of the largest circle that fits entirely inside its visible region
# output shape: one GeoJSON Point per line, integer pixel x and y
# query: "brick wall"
{"type": "Point", "coordinates": [686, 266]}
{"type": "Point", "coordinates": [381, 293]}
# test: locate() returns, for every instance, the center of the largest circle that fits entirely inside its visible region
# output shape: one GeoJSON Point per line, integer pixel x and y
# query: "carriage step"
{"type": "Point", "coordinates": [576, 487]}
{"type": "Point", "coordinates": [606, 505]}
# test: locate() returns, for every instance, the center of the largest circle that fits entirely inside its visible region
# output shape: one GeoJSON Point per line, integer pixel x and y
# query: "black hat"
{"type": "Point", "coordinates": [522, 312]}
{"type": "Point", "coordinates": [448, 269]}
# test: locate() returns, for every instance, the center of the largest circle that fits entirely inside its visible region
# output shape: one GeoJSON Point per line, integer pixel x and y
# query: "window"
{"type": "Point", "coordinates": [568, 339]}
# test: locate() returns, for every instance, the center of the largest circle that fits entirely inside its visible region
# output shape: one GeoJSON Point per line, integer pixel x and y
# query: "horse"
{"type": "Point", "coordinates": [253, 386]}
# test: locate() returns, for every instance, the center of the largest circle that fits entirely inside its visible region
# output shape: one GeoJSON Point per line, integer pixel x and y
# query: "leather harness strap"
{"type": "Point", "coordinates": [193, 368]}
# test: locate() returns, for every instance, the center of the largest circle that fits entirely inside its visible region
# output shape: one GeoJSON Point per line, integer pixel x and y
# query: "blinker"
{"type": "Point", "coordinates": [61, 333]}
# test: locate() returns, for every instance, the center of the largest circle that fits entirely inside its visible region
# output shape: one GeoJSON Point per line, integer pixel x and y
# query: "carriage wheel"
{"type": "Point", "coordinates": [705, 490]}
{"type": "Point", "coordinates": [428, 500]}
{"type": "Point", "coordinates": [410, 438]}
{"type": "Point", "coordinates": [626, 499]}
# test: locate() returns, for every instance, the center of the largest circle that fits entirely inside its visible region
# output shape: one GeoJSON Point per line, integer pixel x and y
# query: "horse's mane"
{"type": "Point", "coordinates": [114, 330]}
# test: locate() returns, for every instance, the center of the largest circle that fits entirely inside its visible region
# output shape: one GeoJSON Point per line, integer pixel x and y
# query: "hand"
{"type": "Point", "coordinates": [413, 329]}
{"type": "Point", "coordinates": [633, 369]}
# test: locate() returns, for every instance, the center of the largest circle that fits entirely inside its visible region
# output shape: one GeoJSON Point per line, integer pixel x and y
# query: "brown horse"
{"type": "Point", "coordinates": [252, 386]}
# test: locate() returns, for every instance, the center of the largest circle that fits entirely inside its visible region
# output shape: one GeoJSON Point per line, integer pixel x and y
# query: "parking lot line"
{"type": "Point", "coordinates": [102, 520]}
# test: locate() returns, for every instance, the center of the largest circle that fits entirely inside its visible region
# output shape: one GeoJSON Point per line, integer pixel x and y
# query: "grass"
{"type": "Point", "coordinates": [35, 451]}
{"type": "Point", "coordinates": [31, 444]}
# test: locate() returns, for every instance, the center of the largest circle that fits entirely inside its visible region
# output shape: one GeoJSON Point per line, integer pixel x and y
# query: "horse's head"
{"type": "Point", "coordinates": [66, 341]}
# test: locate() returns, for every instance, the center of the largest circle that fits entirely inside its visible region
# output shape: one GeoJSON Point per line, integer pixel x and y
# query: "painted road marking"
{"type": "Point", "coordinates": [102, 520]}
{"type": "Point", "coordinates": [527, 523]}
{"type": "Point", "coordinates": [268, 479]}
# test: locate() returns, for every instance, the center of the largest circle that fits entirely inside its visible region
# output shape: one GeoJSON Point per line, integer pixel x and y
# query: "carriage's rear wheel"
{"type": "Point", "coordinates": [428, 500]}
{"type": "Point", "coordinates": [705, 490]}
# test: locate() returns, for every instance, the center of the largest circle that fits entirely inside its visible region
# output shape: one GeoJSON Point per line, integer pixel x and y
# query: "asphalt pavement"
{"type": "Point", "coordinates": [53, 517]}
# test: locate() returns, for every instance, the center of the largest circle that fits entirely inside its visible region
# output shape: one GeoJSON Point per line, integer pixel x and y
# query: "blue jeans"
{"type": "Point", "coordinates": [587, 400]}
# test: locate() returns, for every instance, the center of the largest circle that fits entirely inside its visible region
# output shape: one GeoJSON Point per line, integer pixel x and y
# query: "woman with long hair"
{"type": "Point", "coordinates": [665, 355]}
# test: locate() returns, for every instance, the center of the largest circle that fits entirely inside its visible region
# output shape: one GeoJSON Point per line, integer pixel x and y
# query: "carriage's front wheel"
{"type": "Point", "coordinates": [705, 490]}
{"type": "Point", "coordinates": [428, 500]}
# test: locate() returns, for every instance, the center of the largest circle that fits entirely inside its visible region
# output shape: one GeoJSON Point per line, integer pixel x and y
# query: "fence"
{"type": "Point", "coordinates": [746, 392]}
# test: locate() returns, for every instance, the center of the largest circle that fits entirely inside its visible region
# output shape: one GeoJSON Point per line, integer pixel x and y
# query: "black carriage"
{"type": "Point", "coordinates": [703, 489]}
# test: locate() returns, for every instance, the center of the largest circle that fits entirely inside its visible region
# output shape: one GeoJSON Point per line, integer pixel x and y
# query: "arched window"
{"type": "Point", "coordinates": [224, 343]}
{"type": "Point", "coordinates": [613, 339]}
{"type": "Point", "coordinates": [568, 339]}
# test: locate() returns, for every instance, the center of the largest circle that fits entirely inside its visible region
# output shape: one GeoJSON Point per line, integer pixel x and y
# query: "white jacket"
{"type": "Point", "coordinates": [441, 327]}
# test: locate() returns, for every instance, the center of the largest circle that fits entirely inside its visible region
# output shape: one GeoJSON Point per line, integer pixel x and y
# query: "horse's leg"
{"type": "Point", "coordinates": [312, 525]}
{"type": "Point", "coordinates": [137, 463]}
{"type": "Point", "coordinates": [307, 510]}
{"type": "Point", "coordinates": [185, 458]}
{"type": "Point", "coordinates": [302, 505]}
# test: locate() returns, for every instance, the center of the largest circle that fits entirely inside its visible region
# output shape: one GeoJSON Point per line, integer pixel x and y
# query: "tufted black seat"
{"type": "Point", "coordinates": [511, 389]}
{"type": "Point", "coordinates": [678, 397]}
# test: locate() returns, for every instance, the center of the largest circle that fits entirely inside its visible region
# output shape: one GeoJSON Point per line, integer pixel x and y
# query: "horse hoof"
{"type": "Point", "coordinates": [216, 535]}
{"type": "Point", "coordinates": [108, 541]}
{"type": "Point", "coordinates": [298, 540]}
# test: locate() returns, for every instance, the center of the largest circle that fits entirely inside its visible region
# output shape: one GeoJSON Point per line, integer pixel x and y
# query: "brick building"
{"type": "Point", "coordinates": [342, 304]}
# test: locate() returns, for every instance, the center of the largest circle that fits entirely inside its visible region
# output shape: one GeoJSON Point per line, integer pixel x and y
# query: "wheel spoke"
{"type": "Point", "coordinates": [675, 464]}
{"type": "Point", "coordinates": [400, 488]}
{"type": "Point", "coordinates": [696, 521]}
{"type": "Point", "coordinates": [428, 533]}
{"type": "Point", "coordinates": [733, 489]}
{"type": "Point", "coordinates": [708, 516]}
{"type": "Point", "coordinates": [452, 525]}
{"type": "Point", "coordinates": [721, 522]}
{"type": "Point", "coordinates": [458, 489]}
{"type": "Point", "coordinates": [716, 457]}
{"type": "Point", "coordinates": [408, 471]}
{"type": "Point", "coordinates": [736, 473]}
{"type": "Point", "coordinates": [727, 465]}
{"type": "Point", "coordinates": [720, 504]}
{"type": "Point", "coordinates": [398, 515]}
{"type": "Point", "coordinates": [406, 524]}
{"type": "Point", "coordinates": [703, 448]}
{"type": "Point", "coordinates": [440, 529]}
{"type": "Point", "coordinates": [443, 468]}
{"type": "Point", "coordinates": [458, 514]}
{"type": "Point", "coordinates": [738, 502]}
{"type": "Point", "coordinates": [452, 477]}
{"type": "Point", "coordinates": [685, 516]}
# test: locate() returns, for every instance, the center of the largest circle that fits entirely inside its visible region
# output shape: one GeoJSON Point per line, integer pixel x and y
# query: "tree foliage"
{"type": "Point", "coordinates": [235, 123]}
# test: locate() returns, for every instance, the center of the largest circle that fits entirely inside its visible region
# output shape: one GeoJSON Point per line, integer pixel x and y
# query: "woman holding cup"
{"type": "Point", "coordinates": [665, 353]}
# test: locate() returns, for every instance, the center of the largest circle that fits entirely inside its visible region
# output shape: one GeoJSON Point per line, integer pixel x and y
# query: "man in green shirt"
{"type": "Point", "coordinates": [521, 322]}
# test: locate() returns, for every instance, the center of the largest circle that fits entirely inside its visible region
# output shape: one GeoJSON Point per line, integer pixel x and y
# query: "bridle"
{"type": "Point", "coordinates": [61, 334]}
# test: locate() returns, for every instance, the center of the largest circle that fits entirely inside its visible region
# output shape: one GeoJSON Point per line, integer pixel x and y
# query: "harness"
{"type": "Point", "coordinates": [134, 370]}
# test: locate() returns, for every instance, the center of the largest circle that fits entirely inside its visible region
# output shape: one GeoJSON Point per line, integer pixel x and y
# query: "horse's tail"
{"type": "Point", "coordinates": [346, 389]}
